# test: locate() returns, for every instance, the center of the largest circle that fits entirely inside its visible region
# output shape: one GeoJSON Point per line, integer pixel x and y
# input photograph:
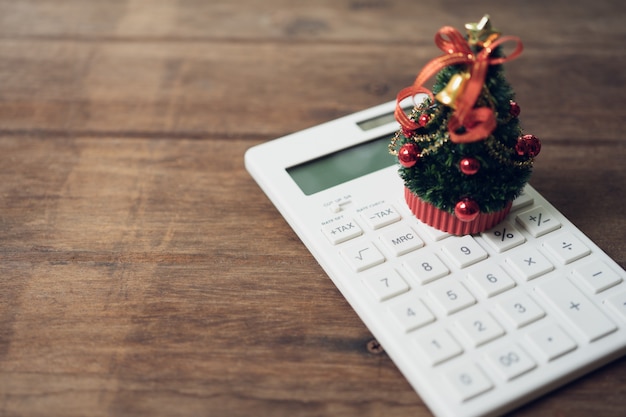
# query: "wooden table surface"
{"type": "Point", "coordinates": [144, 273]}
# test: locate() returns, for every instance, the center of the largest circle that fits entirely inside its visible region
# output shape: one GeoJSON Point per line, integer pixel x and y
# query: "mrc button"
{"type": "Point", "coordinates": [401, 239]}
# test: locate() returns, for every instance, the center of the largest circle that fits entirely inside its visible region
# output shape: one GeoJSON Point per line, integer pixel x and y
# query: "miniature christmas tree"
{"type": "Point", "coordinates": [462, 153]}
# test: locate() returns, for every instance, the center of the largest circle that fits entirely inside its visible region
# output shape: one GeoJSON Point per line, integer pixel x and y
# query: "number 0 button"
{"type": "Point", "coordinates": [468, 381]}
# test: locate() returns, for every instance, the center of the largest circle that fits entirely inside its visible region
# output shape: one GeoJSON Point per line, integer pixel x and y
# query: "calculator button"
{"type": "Point", "coordinates": [362, 256]}
{"type": "Point", "coordinates": [551, 341]}
{"type": "Point", "coordinates": [338, 232]}
{"type": "Point", "coordinates": [521, 310]}
{"type": "Point", "coordinates": [410, 313]}
{"type": "Point", "coordinates": [538, 221]}
{"type": "Point", "coordinates": [510, 361]}
{"type": "Point", "coordinates": [596, 276]}
{"type": "Point", "coordinates": [437, 346]}
{"type": "Point", "coordinates": [503, 237]}
{"type": "Point", "coordinates": [579, 311]}
{"type": "Point", "coordinates": [451, 296]}
{"type": "Point", "coordinates": [491, 280]}
{"type": "Point", "coordinates": [386, 285]}
{"type": "Point", "coordinates": [479, 327]}
{"type": "Point", "coordinates": [426, 267]}
{"type": "Point", "coordinates": [435, 234]}
{"type": "Point", "coordinates": [524, 200]}
{"type": "Point", "coordinates": [468, 381]}
{"type": "Point", "coordinates": [618, 303]}
{"type": "Point", "coordinates": [380, 216]}
{"type": "Point", "coordinates": [401, 239]}
{"type": "Point", "coordinates": [566, 248]}
{"type": "Point", "coordinates": [528, 263]}
{"type": "Point", "coordinates": [463, 251]}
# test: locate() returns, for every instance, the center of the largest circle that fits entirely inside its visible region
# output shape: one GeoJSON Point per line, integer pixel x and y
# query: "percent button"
{"type": "Point", "coordinates": [504, 237]}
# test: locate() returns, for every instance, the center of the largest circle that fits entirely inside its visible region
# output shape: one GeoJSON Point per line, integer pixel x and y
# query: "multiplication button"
{"type": "Point", "coordinates": [529, 263]}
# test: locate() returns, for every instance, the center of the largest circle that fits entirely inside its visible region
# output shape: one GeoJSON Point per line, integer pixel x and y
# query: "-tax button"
{"type": "Point", "coordinates": [338, 232]}
{"type": "Point", "coordinates": [380, 216]}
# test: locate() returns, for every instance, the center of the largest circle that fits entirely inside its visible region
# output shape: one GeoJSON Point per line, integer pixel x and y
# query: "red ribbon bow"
{"type": "Point", "coordinates": [478, 122]}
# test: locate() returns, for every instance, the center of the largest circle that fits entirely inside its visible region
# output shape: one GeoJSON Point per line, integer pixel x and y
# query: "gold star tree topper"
{"type": "Point", "coordinates": [481, 33]}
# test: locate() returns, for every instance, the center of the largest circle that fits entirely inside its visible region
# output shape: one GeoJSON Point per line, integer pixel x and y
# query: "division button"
{"type": "Point", "coordinates": [566, 248]}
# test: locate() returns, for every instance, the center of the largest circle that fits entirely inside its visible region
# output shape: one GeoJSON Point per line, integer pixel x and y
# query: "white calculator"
{"type": "Point", "coordinates": [477, 324]}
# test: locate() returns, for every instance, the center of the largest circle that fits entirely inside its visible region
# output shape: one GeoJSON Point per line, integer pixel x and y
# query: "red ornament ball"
{"type": "Point", "coordinates": [528, 145]}
{"type": "Point", "coordinates": [408, 155]}
{"type": "Point", "coordinates": [515, 109]}
{"type": "Point", "coordinates": [466, 210]}
{"type": "Point", "coordinates": [423, 119]}
{"type": "Point", "coordinates": [469, 165]}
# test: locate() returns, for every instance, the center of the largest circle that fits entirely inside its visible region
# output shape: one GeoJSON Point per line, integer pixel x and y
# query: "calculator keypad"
{"type": "Point", "coordinates": [486, 308]}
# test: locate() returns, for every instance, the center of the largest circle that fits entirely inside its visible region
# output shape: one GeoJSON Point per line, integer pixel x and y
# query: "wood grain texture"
{"type": "Point", "coordinates": [142, 270]}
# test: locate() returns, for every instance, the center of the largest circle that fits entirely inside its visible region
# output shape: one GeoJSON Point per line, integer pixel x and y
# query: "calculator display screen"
{"type": "Point", "coordinates": [374, 122]}
{"type": "Point", "coordinates": [341, 166]}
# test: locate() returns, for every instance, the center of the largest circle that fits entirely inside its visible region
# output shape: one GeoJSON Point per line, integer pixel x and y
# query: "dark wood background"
{"type": "Point", "coordinates": [144, 273]}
